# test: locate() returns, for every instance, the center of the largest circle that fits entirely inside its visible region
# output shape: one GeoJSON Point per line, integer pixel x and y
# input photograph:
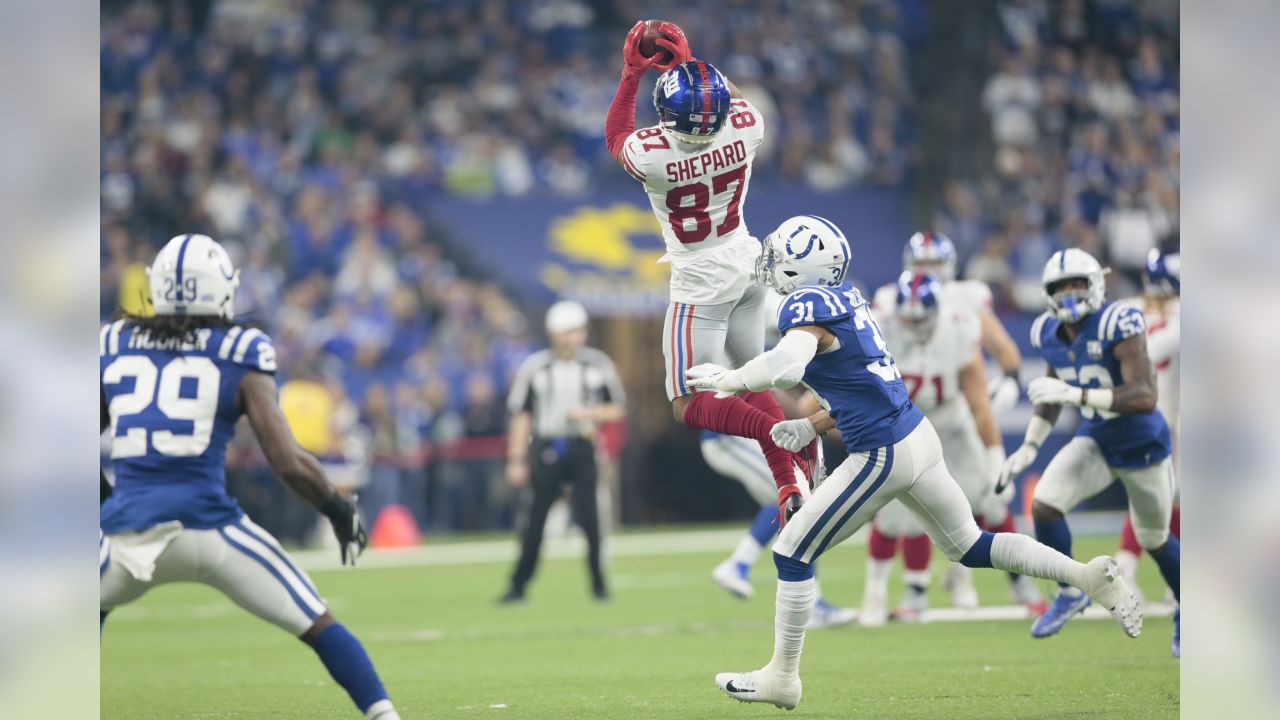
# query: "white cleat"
{"type": "Point", "coordinates": [826, 615]}
{"type": "Point", "coordinates": [958, 582]}
{"type": "Point", "coordinates": [1104, 583]}
{"type": "Point", "coordinates": [873, 612]}
{"type": "Point", "coordinates": [728, 576]}
{"type": "Point", "coordinates": [760, 686]}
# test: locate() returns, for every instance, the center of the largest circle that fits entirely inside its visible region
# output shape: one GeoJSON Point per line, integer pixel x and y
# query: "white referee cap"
{"type": "Point", "coordinates": [566, 315]}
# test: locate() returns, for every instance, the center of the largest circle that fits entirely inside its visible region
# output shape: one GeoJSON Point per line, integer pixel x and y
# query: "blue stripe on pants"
{"type": "Point", "coordinates": [848, 492]}
{"type": "Point", "coordinates": [270, 542]}
{"type": "Point", "coordinates": [884, 475]}
{"type": "Point", "coordinates": [311, 614]}
{"type": "Point", "coordinates": [680, 321]}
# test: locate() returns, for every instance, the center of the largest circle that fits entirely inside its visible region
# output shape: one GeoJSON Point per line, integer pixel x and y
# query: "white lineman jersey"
{"type": "Point", "coordinates": [971, 295]}
{"type": "Point", "coordinates": [697, 192]}
{"type": "Point", "coordinates": [931, 370]}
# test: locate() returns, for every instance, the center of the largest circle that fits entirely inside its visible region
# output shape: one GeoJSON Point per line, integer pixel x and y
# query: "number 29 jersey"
{"type": "Point", "coordinates": [173, 408]}
{"type": "Point", "coordinates": [1126, 441]}
{"type": "Point", "coordinates": [697, 191]}
{"type": "Point", "coordinates": [856, 376]}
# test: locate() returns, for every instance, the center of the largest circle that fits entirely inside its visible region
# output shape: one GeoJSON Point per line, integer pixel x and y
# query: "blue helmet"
{"type": "Point", "coordinates": [930, 252]}
{"type": "Point", "coordinates": [1163, 273]}
{"type": "Point", "coordinates": [917, 305]}
{"type": "Point", "coordinates": [692, 100]}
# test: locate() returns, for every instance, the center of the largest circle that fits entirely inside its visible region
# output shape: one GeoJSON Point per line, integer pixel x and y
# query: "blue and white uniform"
{"type": "Point", "coordinates": [173, 408]}
{"type": "Point", "coordinates": [894, 452]}
{"type": "Point", "coordinates": [1134, 448]}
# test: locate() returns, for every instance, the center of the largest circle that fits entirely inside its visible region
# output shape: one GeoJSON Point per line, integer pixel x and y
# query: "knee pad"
{"type": "Point", "coordinates": [791, 570]}
{"type": "Point", "coordinates": [1151, 538]}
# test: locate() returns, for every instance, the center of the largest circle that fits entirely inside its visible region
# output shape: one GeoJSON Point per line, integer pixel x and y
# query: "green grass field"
{"type": "Point", "coordinates": [445, 650]}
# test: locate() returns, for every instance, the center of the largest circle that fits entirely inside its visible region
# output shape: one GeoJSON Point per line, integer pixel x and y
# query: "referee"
{"type": "Point", "coordinates": [559, 398]}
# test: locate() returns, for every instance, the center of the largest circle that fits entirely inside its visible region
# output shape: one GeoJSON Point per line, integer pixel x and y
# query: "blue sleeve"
{"type": "Point", "coordinates": [1121, 322]}
{"type": "Point", "coordinates": [813, 306]}
{"type": "Point", "coordinates": [249, 348]}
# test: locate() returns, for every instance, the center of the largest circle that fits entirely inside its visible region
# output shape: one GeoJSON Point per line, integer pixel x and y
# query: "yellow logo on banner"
{"type": "Point", "coordinates": [602, 238]}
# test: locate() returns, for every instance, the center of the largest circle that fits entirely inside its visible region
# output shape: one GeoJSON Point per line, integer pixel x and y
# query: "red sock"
{"type": "Point", "coordinates": [1129, 541]}
{"type": "Point", "coordinates": [881, 546]}
{"type": "Point", "coordinates": [733, 415]}
{"type": "Point", "coordinates": [916, 552]}
{"type": "Point", "coordinates": [1175, 523]}
{"type": "Point", "coordinates": [1008, 526]}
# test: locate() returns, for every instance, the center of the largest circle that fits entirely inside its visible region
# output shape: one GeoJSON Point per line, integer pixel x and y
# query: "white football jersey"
{"type": "Point", "coordinates": [697, 192]}
{"type": "Point", "coordinates": [971, 295]}
{"type": "Point", "coordinates": [931, 370]}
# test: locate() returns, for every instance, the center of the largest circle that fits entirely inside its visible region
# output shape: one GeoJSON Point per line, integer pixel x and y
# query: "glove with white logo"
{"type": "Point", "coordinates": [793, 435]}
{"type": "Point", "coordinates": [1052, 391]}
{"type": "Point", "coordinates": [1004, 393]}
{"type": "Point", "coordinates": [1014, 466]}
{"type": "Point", "coordinates": [709, 376]}
{"type": "Point", "coordinates": [352, 538]}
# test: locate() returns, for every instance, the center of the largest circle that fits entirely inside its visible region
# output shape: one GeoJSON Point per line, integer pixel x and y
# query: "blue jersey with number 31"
{"type": "Point", "coordinates": [856, 376]}
{"type": "Point", "coordinates": [1089, 361]}
{"type": "Point", "coordinates": [173, 408]}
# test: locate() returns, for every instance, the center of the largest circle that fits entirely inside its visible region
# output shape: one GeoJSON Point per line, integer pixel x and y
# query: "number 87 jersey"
{"type": "Point", "coordinates": [697, 189]}
{"type": "Point", "coordinates": [173, 408]}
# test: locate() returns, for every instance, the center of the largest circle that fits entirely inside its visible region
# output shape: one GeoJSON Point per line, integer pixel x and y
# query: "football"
{"type": "Point", "coordinates": [648, 42]}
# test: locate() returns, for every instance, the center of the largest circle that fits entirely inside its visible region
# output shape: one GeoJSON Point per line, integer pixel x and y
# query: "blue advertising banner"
{"type": "Point", "coordinates": [603, 249]}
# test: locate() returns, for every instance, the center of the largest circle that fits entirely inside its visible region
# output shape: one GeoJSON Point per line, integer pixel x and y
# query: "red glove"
{"type": "Point", "coordinates": [633, 63]}
{"type": "Point", "coordinates": [789, 502]}
{"type": "Point", "coordinates": [678, 46]}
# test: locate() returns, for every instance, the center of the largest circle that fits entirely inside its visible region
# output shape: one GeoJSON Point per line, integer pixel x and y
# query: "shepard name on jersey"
{"type": "Point", "coordinates": [856, 377]}
{"type": "Point", "coordinates": [173, 408]}
{"type": "Point", "coordinates": [1127, 441]}
{"type": "Point", "coordinates": [697, 189]}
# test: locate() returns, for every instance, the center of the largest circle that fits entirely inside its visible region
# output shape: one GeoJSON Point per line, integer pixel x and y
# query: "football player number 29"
{"type": "Point", "coordinates": [165, 388]}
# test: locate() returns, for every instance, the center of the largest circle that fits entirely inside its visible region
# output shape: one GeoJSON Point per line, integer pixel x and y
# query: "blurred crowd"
{"type": "Point", "coordinates": [1084, 107]}
{"type": "Point", "coordinates": [310, 136]}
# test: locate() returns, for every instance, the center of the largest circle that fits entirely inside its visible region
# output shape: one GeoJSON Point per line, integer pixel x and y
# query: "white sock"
{"type": "Point", "coordinates": [1021, 554]}
{"type": "Point", "coordinates": [382, 710]}
{"type": "Point", "coordinates": [916, 577]}
{"type": "Point", "coordinates": [878, 577]}
{"type": "Point", "coordinates": [1128, 563]}
{"type": "Point", "coordinates": [747, 552]}
{"type": "Point", "coordinates": [791, 616]}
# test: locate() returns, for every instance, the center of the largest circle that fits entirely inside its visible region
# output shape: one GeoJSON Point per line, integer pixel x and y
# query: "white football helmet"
{"type": "Point", "coordinates": [804, 250]}
{"type": "Point", "coordinates": [193, 275]}
{"type": "Point", "coordinates": [1070, 264]}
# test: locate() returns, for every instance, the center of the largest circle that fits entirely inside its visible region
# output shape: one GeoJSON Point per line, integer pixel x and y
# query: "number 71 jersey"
{"type": "Point", "coordinates": [697, 189]}
{"type": "Point", "coordinates": [173, 408]}
{"type": "Point", "coordinates": [856, 377]}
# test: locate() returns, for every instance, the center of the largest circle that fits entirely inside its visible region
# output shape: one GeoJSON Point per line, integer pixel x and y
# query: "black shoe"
{"type": "Point", "coordinates": [600, 593]}
{"type": "Point", "coordinates": [513, 597]}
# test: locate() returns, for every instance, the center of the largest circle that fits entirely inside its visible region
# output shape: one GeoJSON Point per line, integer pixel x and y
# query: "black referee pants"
{"type": "Point", "coordinates": [554, 465]}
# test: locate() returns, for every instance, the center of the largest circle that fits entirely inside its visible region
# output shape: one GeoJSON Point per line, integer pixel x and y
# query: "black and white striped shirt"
{"type": "Point", "coordinates": [548, 387]}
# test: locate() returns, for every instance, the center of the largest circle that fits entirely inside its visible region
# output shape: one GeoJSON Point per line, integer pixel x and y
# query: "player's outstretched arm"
{"type": "Point", "coordinates": [998, 344]}
{"type": "Point", "coordinates": [298, 469]}
{"type": "Point", "coordinates": [1042, 421]}
{"type": "Point", "coordinates": [973, 383]}
{"type": "Point", "coordinates": [783, 366]}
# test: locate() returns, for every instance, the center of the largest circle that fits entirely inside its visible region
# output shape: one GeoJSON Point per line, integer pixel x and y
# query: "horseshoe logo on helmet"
{"type": "Point", "coordinates": [813, 239]}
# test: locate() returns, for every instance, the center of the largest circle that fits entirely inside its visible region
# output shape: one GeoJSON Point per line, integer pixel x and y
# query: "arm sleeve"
{"type": "Point", "coordinates": [621, 120]}
{"type": "Point", "coordinates": [784, 365]}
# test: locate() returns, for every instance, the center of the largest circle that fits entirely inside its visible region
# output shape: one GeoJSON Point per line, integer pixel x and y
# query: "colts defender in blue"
{"type": "Point", "coordinates": [831, 343]}
{"type": "Point", "coordinates": [173, 386]}
{"type": "Point", "coordinates": [1097, 357]}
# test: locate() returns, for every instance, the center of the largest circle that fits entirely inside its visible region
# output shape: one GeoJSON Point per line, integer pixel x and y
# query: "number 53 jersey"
{"type": "Point", "coordinates": [856, 377]}
{"type": "Point", "coordinates": [173, 408]}
{"type": "Point", "coordinates": [1126, 441]}
{"type": "Point", "coordinates": [697, 191]}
